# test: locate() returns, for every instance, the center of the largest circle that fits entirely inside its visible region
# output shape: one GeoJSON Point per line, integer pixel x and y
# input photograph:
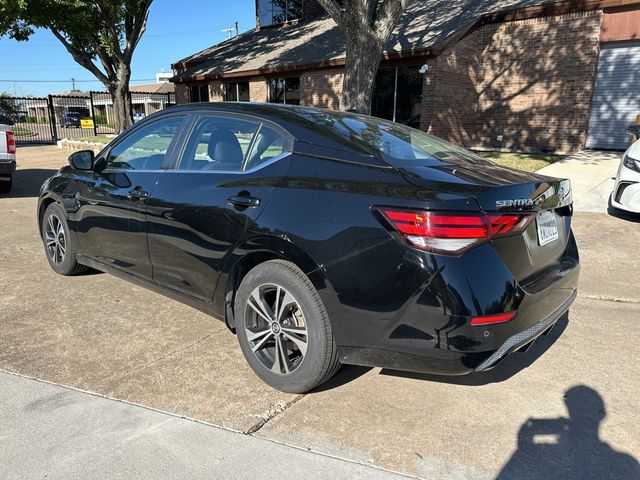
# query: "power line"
{"type": "Point", "coordinates": [67, 81]}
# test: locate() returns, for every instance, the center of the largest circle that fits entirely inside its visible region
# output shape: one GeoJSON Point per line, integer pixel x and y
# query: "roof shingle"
{"type": "Point", "coordinates": [424, 25]}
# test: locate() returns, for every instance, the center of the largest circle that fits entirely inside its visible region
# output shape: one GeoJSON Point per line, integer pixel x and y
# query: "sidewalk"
{"type": "Point", "coordinates": [57, 433]}
{"type": "Point", "coordinates": [590, 173]}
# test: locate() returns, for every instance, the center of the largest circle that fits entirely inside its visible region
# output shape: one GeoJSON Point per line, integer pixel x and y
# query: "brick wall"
{"type": "Point", "coordinates": [530, 81]}
{"type": "Point", "coordinates": [321, 88]}
{"type": "Point", "coordinates": [182, 93]}
{"type": "Point", "coordinates": [258, 89]}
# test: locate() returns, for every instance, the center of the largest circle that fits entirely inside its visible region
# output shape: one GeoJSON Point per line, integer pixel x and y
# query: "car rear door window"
{"type": "Point", "coordinates": [268, 145]}
{"type": "Point", "coordinates": [146, 147]}
{"type": "Point", "coordinates": [218, 143]}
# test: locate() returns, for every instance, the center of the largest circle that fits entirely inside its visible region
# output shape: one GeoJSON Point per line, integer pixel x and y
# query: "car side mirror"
{"type": "Point", "coordinates": [82, 159]}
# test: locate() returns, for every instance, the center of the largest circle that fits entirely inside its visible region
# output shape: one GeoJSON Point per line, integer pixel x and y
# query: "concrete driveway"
{"type": "Point", "coordinates": [591, 175]}
{"type": "Point", "coordinates": [566, 409]}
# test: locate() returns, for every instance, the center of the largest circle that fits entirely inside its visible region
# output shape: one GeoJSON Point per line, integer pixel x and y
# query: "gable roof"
{"type": "Point", "coordinates": [425, 27]}
{"type": "Point", "coordinates": [159, 87]}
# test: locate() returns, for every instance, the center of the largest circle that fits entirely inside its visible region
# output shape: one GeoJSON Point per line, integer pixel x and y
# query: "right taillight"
{"type": "Point", "coordinates": [11, 143]}
{"type": "Point", "coordinates": [452, 233]}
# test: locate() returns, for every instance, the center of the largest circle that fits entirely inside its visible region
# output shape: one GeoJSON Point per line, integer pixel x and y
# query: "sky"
{"type": "Point", "coordinates": [175, 30]}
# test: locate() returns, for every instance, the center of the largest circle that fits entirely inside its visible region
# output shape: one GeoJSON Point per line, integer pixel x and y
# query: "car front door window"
{"type": "Point", "coordinates": [145, 148]}
{"type": "Point", "coordinates": [218, 143]}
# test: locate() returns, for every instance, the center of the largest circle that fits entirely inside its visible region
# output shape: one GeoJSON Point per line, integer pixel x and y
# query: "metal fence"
{"type": "Point", "coordinates": [76, 116]}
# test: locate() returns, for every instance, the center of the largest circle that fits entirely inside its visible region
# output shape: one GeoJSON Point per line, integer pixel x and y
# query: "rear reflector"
{"type": "Point", "coordinates": [11, 143]}
{"type": "Point", "coordinates": [452, 232]}
{"type": "Point", "coordinates": [492, 319]}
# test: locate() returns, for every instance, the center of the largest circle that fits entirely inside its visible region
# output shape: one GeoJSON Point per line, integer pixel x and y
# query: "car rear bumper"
{"type": "Point", "coordinates": [419, 340]}
{"type": "Point", "coordinates": [528, 336]}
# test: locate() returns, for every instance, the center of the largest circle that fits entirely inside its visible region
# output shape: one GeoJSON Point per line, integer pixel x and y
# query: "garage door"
{"type": "Point", "coordinates": [616, 100]}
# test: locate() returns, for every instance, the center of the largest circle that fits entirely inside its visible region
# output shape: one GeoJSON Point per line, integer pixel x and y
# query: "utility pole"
{"type": "Point", "coordinates": [73, 84]}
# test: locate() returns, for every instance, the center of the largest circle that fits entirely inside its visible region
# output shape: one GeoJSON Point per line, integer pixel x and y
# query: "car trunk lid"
{"type": "Point", "coordinates": [503, 190]}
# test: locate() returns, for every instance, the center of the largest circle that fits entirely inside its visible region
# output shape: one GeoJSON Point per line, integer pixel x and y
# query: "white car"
{"type": "Point", "coordinates": [7, 154]}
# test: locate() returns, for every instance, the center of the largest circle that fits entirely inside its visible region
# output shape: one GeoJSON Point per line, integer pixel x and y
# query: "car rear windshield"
{"type": "Point", "coordinates": [396, 144]}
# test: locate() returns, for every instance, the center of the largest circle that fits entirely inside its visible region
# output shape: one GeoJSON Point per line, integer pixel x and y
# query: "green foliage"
{"type": "Point", "coordinates": [101, 119]}
{"type": "Point", "coordinates": [8, 107]}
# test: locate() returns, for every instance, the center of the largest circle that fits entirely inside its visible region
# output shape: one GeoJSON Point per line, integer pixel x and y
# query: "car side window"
{"type": "Point", "coordinates": [145, 148]}
{"type": "Point", "coordinates": [218, 143]}
{"type": "Point", "coordinates": [268, 144]}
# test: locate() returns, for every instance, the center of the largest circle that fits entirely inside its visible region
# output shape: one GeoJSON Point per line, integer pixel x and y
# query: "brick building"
{"type": "Point", "coordinates": [514, 74]}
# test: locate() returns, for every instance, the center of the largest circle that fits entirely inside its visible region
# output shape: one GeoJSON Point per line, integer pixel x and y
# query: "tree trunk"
{"type": "Point", "coordinates": [119, 91]}
{"type": "Point", "coordinates": [364, 51]}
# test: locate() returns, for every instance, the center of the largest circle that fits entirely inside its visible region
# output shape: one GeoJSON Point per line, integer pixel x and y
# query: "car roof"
{"type": "Point", "coordinates": [305, 124]}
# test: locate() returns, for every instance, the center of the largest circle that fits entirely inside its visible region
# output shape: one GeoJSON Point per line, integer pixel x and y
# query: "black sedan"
{"type": "Point", "coordinates": [321, 238]}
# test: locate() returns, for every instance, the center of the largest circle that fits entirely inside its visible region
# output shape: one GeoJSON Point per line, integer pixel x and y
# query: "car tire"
{"type": "Point", "coordinates": [58, 245]}
{"type": "Point", "coordinates": [6, 184]}
{"type": "Point", "coordinates": [301, 316]}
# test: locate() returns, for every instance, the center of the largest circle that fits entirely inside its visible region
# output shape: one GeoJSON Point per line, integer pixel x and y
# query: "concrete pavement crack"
{"type": "Point", "coordinates": [273, 414]}
{"type": "Point", "coordinates": [607, 298]}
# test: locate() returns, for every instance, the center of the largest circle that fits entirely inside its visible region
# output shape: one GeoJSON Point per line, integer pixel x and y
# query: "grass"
{"type": "Point", "coordinates": [530, 162]}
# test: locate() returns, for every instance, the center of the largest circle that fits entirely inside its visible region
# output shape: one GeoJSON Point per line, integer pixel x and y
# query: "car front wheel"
{"type": "Point", "coordinates": [283, 328]}
{"type": "Point", "coordinates": [58, 245]}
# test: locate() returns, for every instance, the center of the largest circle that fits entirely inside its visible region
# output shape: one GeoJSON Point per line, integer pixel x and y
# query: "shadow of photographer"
{"type": "Point", "coordinates": [569, 448]}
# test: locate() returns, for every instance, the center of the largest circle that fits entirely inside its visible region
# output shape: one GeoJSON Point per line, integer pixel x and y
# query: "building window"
{"type": "Point", "coordinates": [397, 95]}
{"type": "Point", "coordinates": [236, 92]}
{"type": "Point", "coordinates": [284, 90]}
{"type": "Point", "coordinates": [274, 12]}
{"type": "Point", "coordinates": [199, 93]}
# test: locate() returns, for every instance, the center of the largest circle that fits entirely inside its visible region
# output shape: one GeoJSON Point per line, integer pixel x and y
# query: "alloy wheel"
{"type": "Point", "coordinates": [276, 329]}
{"type": "Point", "coordinates": [55, 239]}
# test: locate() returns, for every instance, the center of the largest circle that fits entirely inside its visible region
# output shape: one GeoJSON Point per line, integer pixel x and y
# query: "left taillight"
{"type": "Point", "coordinates": [11, 143]}
{"type": "Point", "coordinates": [451, 233]}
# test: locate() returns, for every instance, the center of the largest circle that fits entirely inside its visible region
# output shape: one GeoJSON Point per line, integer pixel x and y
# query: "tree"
{"type": "Point", "coordinates": [367, 27]}
{"type": "Point", "coordinates": [8, 107]}
{"type": "Point", "coordinates": [101, 35]}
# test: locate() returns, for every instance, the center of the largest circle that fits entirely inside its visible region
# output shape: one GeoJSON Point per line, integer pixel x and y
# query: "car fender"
{"type": "Point", "coordinates": [49, 197]}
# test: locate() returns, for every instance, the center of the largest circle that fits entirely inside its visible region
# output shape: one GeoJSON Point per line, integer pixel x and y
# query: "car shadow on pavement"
{"type": "Point", "coordinates": [569, 447]}
{"type": "Point", "coordinates": [506, 369]}
{"type": "Point", "coordinates": [345, 375]}
{"type": "Point", "coordinates": [27, 182]}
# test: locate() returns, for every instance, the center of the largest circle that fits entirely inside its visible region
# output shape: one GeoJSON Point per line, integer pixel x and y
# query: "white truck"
{"type": "Point", "coordinates": [7, 154]}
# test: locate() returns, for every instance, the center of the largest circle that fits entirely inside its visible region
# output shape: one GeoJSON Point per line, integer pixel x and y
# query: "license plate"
{"type": "Point", "coordinates": [547, 228]}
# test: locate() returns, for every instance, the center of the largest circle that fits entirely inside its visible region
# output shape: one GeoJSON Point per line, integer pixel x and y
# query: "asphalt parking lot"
{"type": "Point", "coordinates": [566, 409]}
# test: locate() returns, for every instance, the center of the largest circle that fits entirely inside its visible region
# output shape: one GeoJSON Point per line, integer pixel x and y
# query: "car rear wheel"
{"type": "Point", "coordinates": [283, 328]}
{"type": "Point", "coordinates": [58, 246]}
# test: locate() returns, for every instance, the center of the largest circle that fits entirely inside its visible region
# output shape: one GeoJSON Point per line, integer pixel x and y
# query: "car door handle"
{"type": "Point", "coordinates": [137, 194]}
{"type": "Point", "coordinates": [244, 201]}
